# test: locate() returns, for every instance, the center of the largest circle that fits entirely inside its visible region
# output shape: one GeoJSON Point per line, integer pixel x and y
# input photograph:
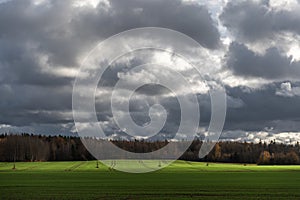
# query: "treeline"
{"type": "Point", "coordinates": [32, 148]}
{"type": "Point", "coordinates": [261, 153]}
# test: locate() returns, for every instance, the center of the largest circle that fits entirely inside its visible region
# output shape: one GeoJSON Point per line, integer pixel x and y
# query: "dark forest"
{"type": "Point", "coordinates": [32, 148]}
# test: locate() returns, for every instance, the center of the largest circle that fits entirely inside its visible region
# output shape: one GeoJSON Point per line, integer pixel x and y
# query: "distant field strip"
{"type": "Point", "coordinates": [176, 166]}
{"type": "Point", "coordinates": [180, 180]}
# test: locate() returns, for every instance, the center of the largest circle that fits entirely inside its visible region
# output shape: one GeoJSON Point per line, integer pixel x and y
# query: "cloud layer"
{"type": "Point", "coordinates": [253, 46]}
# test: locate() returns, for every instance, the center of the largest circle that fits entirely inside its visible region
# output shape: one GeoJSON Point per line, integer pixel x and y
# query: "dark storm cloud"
{"type": "Point", "coordinates": [45, 26]}
{"type": "Point", "coordinates": [188, 18]}
{"type": "Point", "coordinates": [39, 39]}
{"type": "Point", "coordinates": [26, 104]}
{"type": "Point", "coordinates": [272, 65]}
{"type": "Point", "coordinates": [256, 20]}
{"type": "Point", "coordinates": [263, 108]}
{"type": "Point", "coordinates": [18, 65]}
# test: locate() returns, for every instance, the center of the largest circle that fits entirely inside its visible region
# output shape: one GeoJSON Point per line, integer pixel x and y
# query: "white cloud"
{"type": "Point", "coordinates": [89, 3]}
{"type": "Point", "coordinates": [283, 4]}
{"type": "Point", "coordinates": [287, 90]}
{"type": "Point", "coordinates": [236, 81]}
{"type": "Point", "coordinates": [255, 137]}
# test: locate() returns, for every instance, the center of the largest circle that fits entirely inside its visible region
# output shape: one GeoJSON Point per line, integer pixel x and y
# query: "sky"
{"type": "Point", "coordinates": [250, 47]}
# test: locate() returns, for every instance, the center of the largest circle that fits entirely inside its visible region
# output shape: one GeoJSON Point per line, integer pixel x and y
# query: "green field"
{"type": "Point", "coordinates": [181, 180]}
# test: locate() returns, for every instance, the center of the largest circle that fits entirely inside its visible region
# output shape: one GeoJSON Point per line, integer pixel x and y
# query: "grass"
{"type": "Point", "coordinates": [181, 180]}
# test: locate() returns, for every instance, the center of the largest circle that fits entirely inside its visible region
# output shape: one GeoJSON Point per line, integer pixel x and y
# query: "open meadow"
{"type": "Point", "coordinates": [181, 180]}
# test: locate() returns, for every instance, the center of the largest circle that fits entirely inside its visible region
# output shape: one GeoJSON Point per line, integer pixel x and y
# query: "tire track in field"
{"type": "Point", "coordinates": [142, 163]}
{"type": "Point", "coordinates": [77, 165]}
{"type": "Point", "coordinates": [37, 165]}
{"type": "Point", "coordinates": [112, 166]}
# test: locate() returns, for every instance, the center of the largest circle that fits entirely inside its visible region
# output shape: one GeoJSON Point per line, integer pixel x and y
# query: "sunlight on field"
{"type": "Point", "coordinates": [183, 166]}
{"type": "Point", "coordinates": [181, 180]}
